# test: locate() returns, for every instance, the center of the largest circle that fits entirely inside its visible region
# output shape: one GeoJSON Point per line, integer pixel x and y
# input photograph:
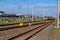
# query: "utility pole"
{"type": "Point", "coordinates": [43, 13]}
{"type": "Point", "coordinates": [32, 13]}
{"type": "Point", "coordinates": [19, 12]}
{"type": "Point", "coordinates": [58, 14]}
{"type": "Point", "coordinates": [19, 9]}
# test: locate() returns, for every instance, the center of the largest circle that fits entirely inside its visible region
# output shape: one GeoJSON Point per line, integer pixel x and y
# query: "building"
{"type": "Point", "coordinates": [11, 17]}
{"type": "Point", "coordinates": [1, 18]}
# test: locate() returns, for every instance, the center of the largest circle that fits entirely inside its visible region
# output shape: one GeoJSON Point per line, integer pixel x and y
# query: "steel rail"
{"type": "Point", "coordinates": [17, 26]}
{"type": "Point", "coordinates": [29, 34]}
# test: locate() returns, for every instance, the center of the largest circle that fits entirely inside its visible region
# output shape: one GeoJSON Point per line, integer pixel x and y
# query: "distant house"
{"type": "Point", "coordinates": [29, 17]}
{"type": "Point", "coordinates": [1, 12]}
{"type": "Point", "coordinates": [9, 17]}
{"type": "Point", "coordinates": [1, 18]}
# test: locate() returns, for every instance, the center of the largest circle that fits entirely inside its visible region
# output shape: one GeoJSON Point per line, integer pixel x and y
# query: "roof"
{"type": "Point", "coordinates": [1, 11]}
{"type": "Point", "coordinates": [10, 15]}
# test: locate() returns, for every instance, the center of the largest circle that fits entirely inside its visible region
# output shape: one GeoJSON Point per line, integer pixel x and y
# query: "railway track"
{"type": "Point", "coordinates": [28, 35]}
{"type": "Point", "coordinates": [17, 26]}
{"type": "Point", "coordinates": [19, 33]}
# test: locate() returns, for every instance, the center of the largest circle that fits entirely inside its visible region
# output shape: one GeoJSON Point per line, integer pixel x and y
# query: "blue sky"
{"type": "Point", "coordinates": [11, 6]}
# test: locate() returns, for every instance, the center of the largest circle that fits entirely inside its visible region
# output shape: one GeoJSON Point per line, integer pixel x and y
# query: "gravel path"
{"type": "Point", "coordinates": [54, 34]}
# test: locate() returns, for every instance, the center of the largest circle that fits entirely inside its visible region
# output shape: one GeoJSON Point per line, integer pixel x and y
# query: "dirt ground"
{"type": "Point", "coordinates": [54, 34]}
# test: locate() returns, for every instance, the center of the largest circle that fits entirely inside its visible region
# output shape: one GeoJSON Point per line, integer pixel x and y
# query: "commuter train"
{"type": "Point", "coordinates": [48, 19]}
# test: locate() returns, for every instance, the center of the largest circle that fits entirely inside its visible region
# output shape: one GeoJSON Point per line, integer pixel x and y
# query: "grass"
{"type": "Point", "coordinates": [13, 22]}
{"type": "Point", "coordinates": [58, 34]}
{"type": "Point", "coordinates": [59, 19]}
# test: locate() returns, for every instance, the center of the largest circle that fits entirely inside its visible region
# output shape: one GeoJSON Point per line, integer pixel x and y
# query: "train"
{"type": "Point", "coordinates": [48, 19]}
